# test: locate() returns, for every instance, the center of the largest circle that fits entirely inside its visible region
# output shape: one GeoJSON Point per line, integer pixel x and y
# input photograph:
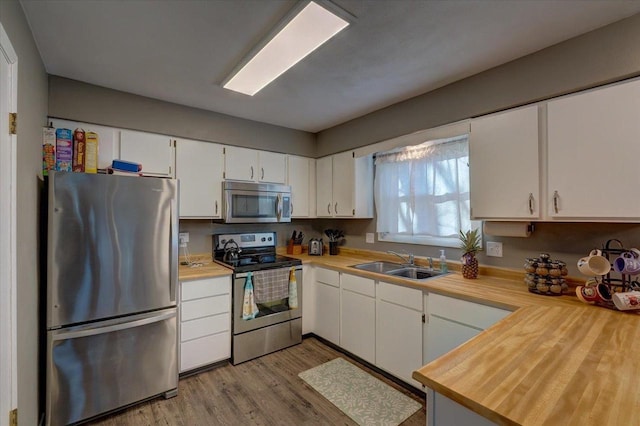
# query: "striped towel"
{"type": "Point", "coordinates": [270, 285]}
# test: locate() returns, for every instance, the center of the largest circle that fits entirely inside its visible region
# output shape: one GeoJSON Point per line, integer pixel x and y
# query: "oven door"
{"type": "Point", "coordinates": [241, 206]}
{"type": "Point", "coordinates": [267, 315]}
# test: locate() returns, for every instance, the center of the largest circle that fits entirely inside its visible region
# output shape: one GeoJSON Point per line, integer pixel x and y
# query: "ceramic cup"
{"type": "Point", "coordinates": [627, 301]}
{"type": "Point", "coordinates": [628, 262]}
{"type": "Point", "coordinates": [593, 294]}
{"type": "Point", "coordinates": [594, 264]}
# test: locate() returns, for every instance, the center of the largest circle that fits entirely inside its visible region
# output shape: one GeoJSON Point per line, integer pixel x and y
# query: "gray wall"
{"type": "Point", "coordinates": [32, 113]}
{"type": "Point", "coordinates": [68, 99]}
{"type": "Point", "coordinates": [605, 55]}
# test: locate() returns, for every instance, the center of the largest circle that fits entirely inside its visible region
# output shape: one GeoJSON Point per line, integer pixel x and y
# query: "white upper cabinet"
{"type": "Point", "coordinates": [272, 167]}
{"type": "Point", "coordinates": [255, 166]}
{"type": "Point", "coordinates": [199, 167]}
{"type": "Point", "coordinates": [594, 147]}
{"type": "Point", "coordinates": [301, 176]}
{"type": "Point", "coordinates": [155, 152]}
{"type": "Point", "coordinates": [504, 165]}
{"type": "Point", "coordinates": [344, 186]}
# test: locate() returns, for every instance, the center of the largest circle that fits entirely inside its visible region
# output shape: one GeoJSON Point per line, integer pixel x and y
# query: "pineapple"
{"type": "Point", "coordinates": [470, 245]}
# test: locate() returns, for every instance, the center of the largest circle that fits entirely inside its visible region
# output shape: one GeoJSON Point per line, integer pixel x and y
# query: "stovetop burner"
{"type": "Point", "coordinates": [257, 252]}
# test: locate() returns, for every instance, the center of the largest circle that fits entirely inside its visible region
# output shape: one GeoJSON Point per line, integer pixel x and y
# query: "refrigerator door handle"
{"type": "Point", "coordinates": [85, 332]}
{"type": "Point", "coordinates": [173, 253]}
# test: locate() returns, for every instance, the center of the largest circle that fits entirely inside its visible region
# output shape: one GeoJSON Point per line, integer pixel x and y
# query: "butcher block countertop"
{"type": "Point", "coordinates": [553, 361]}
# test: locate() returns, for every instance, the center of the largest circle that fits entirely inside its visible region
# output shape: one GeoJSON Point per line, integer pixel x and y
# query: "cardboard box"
{"type": "Point", "coordinates": [64, 150]}
{"type": "Point", "coordinates": [48, 150]}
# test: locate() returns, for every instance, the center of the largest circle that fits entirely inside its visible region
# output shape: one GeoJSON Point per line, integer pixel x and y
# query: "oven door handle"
{"type": "Point", "coordinates": [244, 274]}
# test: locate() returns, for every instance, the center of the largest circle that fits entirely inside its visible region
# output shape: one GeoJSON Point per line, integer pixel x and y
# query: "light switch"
{"type": "Point", "coordinates": [369, 238]}
{"type": "Point", "coordinates": [494, 249]}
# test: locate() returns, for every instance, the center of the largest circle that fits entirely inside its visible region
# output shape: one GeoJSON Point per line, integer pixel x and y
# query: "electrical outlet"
{"type": "Point", "coordinates": [183, 237]}
{"type": "Point", "coordinates": [494, 249]}
{"type": "Point", "coordinates": [369, 237]}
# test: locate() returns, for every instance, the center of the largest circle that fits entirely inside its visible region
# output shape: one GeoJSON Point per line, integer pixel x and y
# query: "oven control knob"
{"type": "Point", "coordinates": [263, 239]}
{"type": "Point", "coordinates": [270, 238]}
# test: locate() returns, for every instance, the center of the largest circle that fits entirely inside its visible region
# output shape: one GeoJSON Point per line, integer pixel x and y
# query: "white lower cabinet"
{"type": "Point", "coordinates": [358, 316]}
{"type": "Point", "coordinates": [205, 322]}
{"type": "Point", "coordinates": [327, 305]}
{"type": "Point", "coordinates": [308, 299]}
{"type": "Point", "coordinates": [451, 323]}
{"type": "Point", "coordinates": [399, 330]}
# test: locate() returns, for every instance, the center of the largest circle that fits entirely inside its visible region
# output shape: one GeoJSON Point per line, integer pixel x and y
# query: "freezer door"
{"type": "Point", "coordinates": [98, 368]}
{"type": "Point", "coordinates": [112, 246]}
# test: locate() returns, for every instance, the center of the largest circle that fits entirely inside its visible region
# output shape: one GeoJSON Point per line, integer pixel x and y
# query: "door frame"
{"type": "Point", "coordinates": [8, 246]}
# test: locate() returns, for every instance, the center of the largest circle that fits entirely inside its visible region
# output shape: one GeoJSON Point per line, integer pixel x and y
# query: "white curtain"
{"type": "Point", "coordinates": [423, 190]}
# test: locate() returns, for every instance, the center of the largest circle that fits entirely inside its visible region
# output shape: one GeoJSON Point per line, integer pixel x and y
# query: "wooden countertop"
{"type": "Point", "coordinates": [553, 361]}
{"type": "Point", "coordinates": [203, 267]}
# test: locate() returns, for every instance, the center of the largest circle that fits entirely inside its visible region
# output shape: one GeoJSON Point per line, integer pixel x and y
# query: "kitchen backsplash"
{"type": "Point", "coordinates": [566, 241]}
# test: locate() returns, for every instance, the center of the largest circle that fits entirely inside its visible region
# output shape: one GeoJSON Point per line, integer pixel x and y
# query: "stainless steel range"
{"type": "Point", "coordinates": [277, 322]}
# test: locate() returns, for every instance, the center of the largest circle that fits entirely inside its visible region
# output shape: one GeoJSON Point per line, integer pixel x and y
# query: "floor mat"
{"type": "Point", "coordinates": [367, 400]}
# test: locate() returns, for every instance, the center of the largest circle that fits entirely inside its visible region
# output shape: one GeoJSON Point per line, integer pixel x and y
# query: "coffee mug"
{"type": "Point", "coordinates": [593, 294]}
{"type": "Point", "coordinates": [627, 301]}
{"type": "Point", "coordinates": [628, 262]}
{"type": "Point", "coordinates": [594, 264]}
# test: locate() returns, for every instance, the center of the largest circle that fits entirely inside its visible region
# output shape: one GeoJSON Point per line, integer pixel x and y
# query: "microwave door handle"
{"type": "Point", "coordinates": [278, 207]}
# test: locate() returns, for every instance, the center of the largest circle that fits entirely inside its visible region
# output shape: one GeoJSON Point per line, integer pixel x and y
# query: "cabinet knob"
{"type": "Point", "coordinates": [262, 176]}
{"type": "Point", "coordinates": [336, 208]}
{"type": "Point", "coordinates": [251, 172]}
{"type": "Point", "coordinates": [216, 206]}
{"type": "Point", "coordinates": [555, 201]}
{"type": "Point", "coordinates": [329, 208]}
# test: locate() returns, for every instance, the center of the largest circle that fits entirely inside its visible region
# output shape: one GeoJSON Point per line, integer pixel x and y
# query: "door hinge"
{"type": "Point", "coordinates": [224, 151]}
{"type": "Point", "coordinates": [13, 417]}
{"type": "Point", "coordinates": [353, 154]}
{"type": "Point", "coordinates": [224, 175]}
{"type": "Point", "coordinates": [354, 212]}
{"type": "Point", "coordinates": [424, 318]}
{"type": "Point", "coordinates": [13, 123]}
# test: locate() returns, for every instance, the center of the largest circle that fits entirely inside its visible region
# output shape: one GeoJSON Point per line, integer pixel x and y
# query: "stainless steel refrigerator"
{"type": "Point", "coordinates": [111, 276]}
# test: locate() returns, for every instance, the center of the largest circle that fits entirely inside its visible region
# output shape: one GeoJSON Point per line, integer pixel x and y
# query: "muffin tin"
{"type": "Point", "coordinates": [545, 275]}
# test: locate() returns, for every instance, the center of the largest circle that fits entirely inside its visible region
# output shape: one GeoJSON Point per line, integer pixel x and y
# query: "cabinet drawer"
{"type": "Point", "coordinates": [201, 327]}
{"type": "Point", "coordinates": [205, 288]}
{"type": "Point", "coordinates": [204, 307]}
{"type": "Point", "coordinates": [403, 296]}
{"type": "Point", "coordinates": [365, 286]}
{"type": "Point", "coordinates": [206, 350]}
{"type": "Point", "coordinates": [462, 311]}
{"type": "Point", "coordinates": [328, 276]}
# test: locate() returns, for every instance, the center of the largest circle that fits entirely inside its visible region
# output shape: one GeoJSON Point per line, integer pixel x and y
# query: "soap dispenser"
{"type": "Point", "coordinates": [443, 262]}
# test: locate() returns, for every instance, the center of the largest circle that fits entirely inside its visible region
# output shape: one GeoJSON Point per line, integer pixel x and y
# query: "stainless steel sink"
{"type": "Point", "coordinates": [398, 270]}
{"type": "Point", "coordinates": [380, 267]}
{"type": "Point", "coordinates": [415, 273]}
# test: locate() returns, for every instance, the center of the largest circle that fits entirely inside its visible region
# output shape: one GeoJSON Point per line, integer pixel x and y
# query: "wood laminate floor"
{"type": "Point", "coordinates": [264, 391]}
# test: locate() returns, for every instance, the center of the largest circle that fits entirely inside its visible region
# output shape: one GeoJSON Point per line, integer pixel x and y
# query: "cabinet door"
{"type": "Point", "coordinates": [324, 182]}
{"type": "Point", "coordinates": [241, 163]}
{"type": "Point", "coordinates": [327, 308]}
{"type": "Point", "coordinates": [504, 165]}
{"type": "Point", "coordinates": [154, 152]}
{"type": "Point", "coordinates": [343, 184]}
{"type": "Point", "coordinates": [593, 154]}
{"type": "Point", "coordinates": [443, 335]}
{"type": "Point", "coordinates": [308, 299]}
{"type": "Point", "coordinates": [199, 167]}
{"type": "Point", "coordinates": [298, 179]}
{"type": "Point", "coordinates": [358, 319]}
{"type": "Point", "coordinates": [398, 340]}
{"type": "Point", "coordinates": [272, 167]}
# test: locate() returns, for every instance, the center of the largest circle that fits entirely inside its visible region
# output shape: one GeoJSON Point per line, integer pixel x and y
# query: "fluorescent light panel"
{"type": "Point", "coordinates": [307, 31]}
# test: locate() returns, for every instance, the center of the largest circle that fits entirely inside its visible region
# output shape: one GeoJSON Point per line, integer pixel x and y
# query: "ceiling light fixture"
{"type": "Point", "coordinates": [301, 35]}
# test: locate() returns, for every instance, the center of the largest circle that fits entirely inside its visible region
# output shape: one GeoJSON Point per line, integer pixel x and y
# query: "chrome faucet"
{"type": "Point", "coordinates": [409, 259]}
{"type": "Point", "coordinates": [430, 262]}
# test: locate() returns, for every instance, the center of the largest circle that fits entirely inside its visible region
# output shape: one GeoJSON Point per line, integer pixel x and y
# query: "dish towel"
{"type": "Point", "coordinates": [271, 285]}
{"type": "Point", "coordinates": [249, 307]}
{"type": "Point", "coordinates": [293, 289]}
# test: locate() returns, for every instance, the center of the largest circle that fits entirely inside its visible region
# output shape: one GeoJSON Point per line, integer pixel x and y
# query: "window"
{"type": "Point", "coordinates": [422, 193]}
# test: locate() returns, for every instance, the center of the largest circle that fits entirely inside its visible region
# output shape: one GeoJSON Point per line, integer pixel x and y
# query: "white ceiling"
{"type": "Point", "coordinates": [180, 51]}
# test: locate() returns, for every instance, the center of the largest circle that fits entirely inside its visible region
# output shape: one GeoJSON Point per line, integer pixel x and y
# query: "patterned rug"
{"type": "Point", "coordinates": [367, 400]}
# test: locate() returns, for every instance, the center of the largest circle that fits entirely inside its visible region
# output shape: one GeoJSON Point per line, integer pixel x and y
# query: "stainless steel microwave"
{"type": "Point", "coordinates": [249, 202]}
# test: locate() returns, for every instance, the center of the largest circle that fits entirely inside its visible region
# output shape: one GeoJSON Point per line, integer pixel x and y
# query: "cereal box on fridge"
{"type": "Point", "coordinates": [64, 150]}
{"type": "Point", "coordinates": [48, 150]}
{"type": "Point", "coordinates": [91, 153]}
{"type": "Point", "coordinates": [79, 144]}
